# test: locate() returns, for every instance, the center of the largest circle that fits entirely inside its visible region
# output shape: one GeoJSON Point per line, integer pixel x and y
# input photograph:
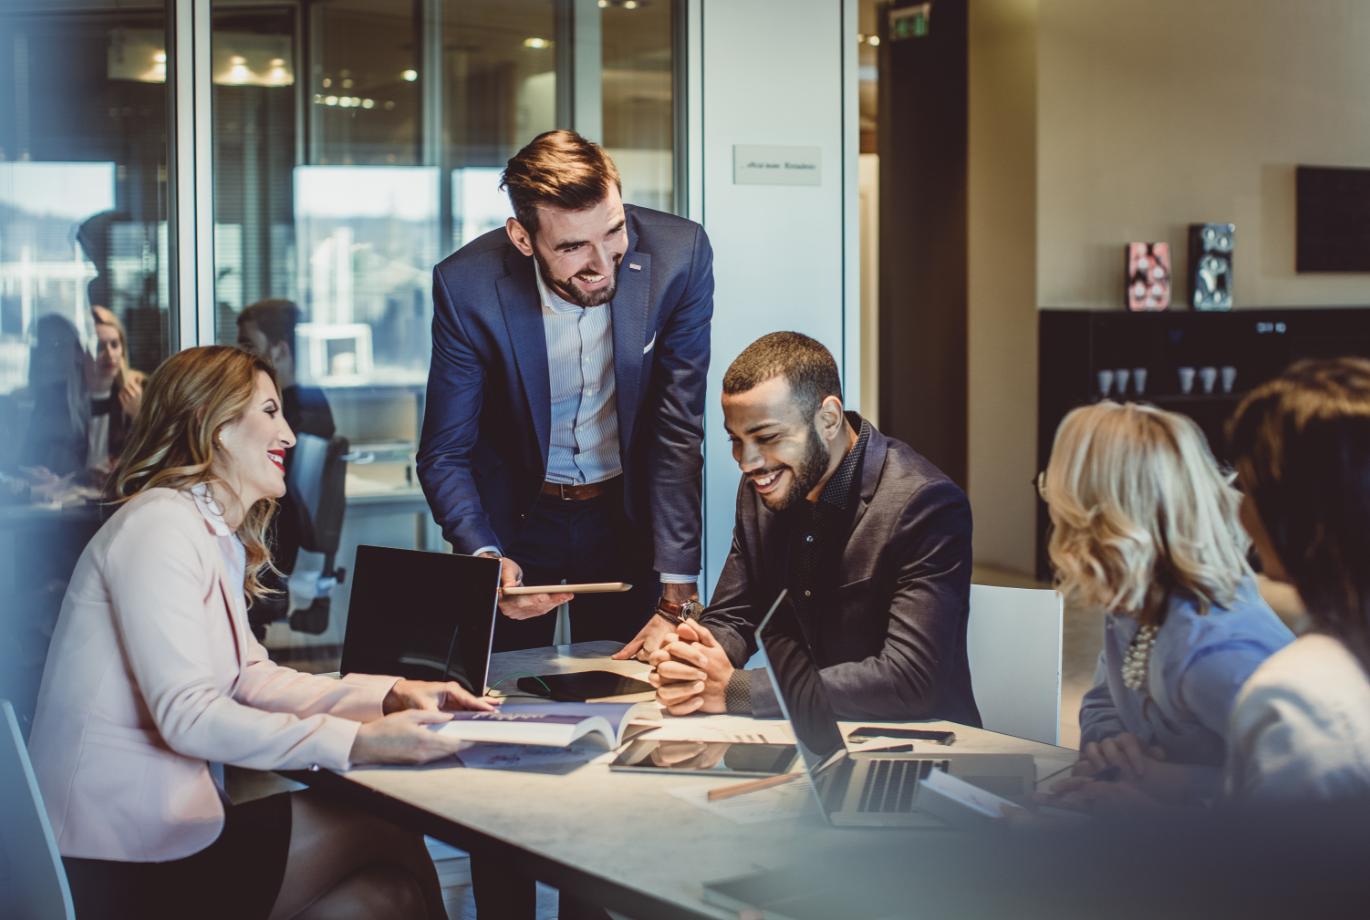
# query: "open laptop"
{"type": "Point", "coordinates": [865, 789]}
{"type": "Point", "coordinates": [424, 616]}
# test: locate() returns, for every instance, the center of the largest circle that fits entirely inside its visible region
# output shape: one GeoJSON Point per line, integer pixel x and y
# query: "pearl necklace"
{"type": "Point", "coordinates": [1138, 657]}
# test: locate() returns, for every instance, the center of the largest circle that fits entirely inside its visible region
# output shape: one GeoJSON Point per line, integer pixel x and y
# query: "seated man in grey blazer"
{"type": "Point", "coordinates": [871, 540]}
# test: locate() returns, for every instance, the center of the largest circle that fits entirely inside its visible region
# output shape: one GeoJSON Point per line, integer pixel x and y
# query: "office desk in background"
{"type": "Point", "coordinates": [628, 841]}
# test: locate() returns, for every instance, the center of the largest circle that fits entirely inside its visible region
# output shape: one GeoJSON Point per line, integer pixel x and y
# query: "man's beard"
{"type": "Point", "coordinates": [807, 475]}
{"type": "Point", "coordinates": [568, 291]}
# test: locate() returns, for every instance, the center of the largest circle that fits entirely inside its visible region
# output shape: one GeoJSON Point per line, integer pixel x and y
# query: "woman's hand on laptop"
{"type": "Point", "coordinates": [433, 696]}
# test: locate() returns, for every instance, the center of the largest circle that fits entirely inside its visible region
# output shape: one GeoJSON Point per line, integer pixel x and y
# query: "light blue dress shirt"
{"type": "Point", "coordinates": [583, 444]}
{"type": "Point", "coordinates": [1197, 666]}
{"type": "Point", "coordinates": [583, 447]}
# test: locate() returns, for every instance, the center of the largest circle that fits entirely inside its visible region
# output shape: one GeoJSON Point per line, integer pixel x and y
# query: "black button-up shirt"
{"type": "Point", "coordinates": [817, 531]}
{"type": "Point", "coordinates": [813, 535]}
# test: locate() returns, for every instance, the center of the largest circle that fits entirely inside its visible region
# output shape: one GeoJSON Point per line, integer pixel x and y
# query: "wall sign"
{"type": "Point", "coordinates": [755, 164]}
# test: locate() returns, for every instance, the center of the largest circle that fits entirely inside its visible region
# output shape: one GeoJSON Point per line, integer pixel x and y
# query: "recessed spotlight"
{"type": "Point", "coordinates": [409, 76]}
{"type": "Point", "coordinates": [630, 4]}
{"type": "Point", "coordinates": [873, 41]}
{"type": "Point", "coordinates": [537, 44]}
{"type": "Point", "coordinates": [330, 100]}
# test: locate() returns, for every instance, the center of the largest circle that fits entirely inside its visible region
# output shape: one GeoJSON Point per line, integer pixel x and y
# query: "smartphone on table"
{"type": "Point", "coordinates": [871, 732]}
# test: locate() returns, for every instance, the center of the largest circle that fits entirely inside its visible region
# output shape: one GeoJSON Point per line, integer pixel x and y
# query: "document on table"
{"type": "Point", "coordinates": [787, 801]}
{"type": "Point", "coordinates": [720, 728]}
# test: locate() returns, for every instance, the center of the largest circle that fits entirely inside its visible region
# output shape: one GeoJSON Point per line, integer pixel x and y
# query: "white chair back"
{"type": "Point", "coordinates": [33, 883]}
{"type": "Point", "coordinates": [1013, 641]}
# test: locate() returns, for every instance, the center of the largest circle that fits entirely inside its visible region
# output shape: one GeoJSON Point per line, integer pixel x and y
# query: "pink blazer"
{"type": "Point", "coordinates": [152, 672]}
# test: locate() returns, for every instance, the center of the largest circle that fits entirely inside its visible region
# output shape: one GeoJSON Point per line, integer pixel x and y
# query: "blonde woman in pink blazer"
{"type": "Point", "coordinates": [153, 674]}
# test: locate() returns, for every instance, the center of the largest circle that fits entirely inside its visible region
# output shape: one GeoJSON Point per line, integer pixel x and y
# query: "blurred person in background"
{"type": "Point", "coordinates": [267, 329]}
{"type": "Point", "coordinates": [116, 392]}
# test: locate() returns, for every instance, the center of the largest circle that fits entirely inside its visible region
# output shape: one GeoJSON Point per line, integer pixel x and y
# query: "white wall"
{"type": "Point", "coordinates": [1001, 287]}
{"type": "Point", "coordinates": [1152, 117]}
{"type": "Point", "coordinates": [783, 255]}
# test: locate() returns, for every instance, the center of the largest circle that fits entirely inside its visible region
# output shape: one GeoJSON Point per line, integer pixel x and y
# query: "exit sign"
{"type": "Point", "coordinates": [907, 22]}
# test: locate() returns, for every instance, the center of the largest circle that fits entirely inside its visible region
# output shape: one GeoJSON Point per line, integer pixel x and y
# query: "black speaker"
{"type": "Point", "coordinates": [1210, 266]}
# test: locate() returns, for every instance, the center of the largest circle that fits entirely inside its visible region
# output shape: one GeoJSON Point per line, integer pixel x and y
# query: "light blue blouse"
{"type": "Point", "coordinates": [1198, 664]}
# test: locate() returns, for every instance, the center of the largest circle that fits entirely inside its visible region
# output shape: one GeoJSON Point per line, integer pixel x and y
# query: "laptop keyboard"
{"type": "Point", "coordinates": [890, 784]}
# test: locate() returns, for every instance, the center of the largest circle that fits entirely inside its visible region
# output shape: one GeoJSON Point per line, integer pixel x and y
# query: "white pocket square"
{"type": "Point", "coordinates": [650, 344]}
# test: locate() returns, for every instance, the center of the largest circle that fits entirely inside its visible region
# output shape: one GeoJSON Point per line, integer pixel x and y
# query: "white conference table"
{"type": "Point", "coordinates": [635, 843]}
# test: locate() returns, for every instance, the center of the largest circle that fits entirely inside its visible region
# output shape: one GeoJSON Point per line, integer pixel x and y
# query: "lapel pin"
{"type": "Point", "coordinates": [634, 266]}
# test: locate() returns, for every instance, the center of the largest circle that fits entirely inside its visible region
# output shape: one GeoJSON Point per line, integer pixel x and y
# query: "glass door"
{"type": "Point", "coordinates": [359, 142]}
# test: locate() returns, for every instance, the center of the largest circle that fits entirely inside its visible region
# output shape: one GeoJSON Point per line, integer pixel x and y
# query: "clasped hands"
{"type": "Point", "coordinates": [690, 671]}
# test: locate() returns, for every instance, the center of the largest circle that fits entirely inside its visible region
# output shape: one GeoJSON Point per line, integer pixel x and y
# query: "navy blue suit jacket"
{"type": "Point", "coordinates": [890, 642]}
{"type": "Point", "coordinates": [483, 452]}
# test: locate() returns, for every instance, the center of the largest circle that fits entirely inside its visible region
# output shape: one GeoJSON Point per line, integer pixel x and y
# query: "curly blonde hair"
{"type": "Point", "coordinates": [1139, 508]}
{"type": "Point", "coordinates": [174, 440]}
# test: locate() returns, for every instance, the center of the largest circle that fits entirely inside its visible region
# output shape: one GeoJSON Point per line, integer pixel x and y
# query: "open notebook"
{"type": "Point", "coordinates": [553, 724]}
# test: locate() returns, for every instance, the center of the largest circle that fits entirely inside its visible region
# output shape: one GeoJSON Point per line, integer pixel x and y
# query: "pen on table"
{"type": "Point", "coordinates": [751, 785]}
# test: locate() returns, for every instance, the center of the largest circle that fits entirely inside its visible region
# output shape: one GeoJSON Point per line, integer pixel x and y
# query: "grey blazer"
{"type": "Point", "coordinates": [892, 643]}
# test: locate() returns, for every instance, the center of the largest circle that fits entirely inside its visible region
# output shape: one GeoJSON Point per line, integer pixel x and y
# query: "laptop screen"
{"type": "Point", "coordinates": [424, 616]}
{"type": "Point", "coordinates": [799, 686]}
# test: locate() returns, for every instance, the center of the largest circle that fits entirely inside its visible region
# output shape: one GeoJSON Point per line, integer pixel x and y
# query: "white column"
{"type": "Point", "coordinates": [784, 255]}
{"type": "Point", "coordinates": [192, 186]}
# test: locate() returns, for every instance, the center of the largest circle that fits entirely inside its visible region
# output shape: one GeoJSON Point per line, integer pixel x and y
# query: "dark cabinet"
{"type": "Point", "coordinates": [1196, 363]}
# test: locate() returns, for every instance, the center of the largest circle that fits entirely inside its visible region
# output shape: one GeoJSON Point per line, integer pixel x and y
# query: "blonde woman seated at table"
{"type": "Point", "coordinates": [153, 674]}
{"type": "Point", "coordinates": [1145, 527]}
{"type": "Point", "coordinates": [1301, 727]}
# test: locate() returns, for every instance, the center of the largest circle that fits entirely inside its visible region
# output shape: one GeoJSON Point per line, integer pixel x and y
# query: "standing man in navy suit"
{"type": "Point", "coordinates": [564, 420]}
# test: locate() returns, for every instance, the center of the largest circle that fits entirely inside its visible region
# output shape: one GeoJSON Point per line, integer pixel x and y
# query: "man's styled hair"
{"type": "Point", "coordinates": [805, 364]}
{"type": "Point", "coordinates": [1301, 444]}
{"type": "Point", "coordinates": [276, 319]}
{"type": "Point", "coordinates": [557, 169]}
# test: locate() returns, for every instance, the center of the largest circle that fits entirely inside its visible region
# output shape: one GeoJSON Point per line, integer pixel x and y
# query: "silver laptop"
{"type": "Point", "coordinates": [865, 789]}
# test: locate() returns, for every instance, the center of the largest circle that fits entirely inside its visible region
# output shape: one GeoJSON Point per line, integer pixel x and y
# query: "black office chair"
{"type": "Point", "coordinates": [317, 482]}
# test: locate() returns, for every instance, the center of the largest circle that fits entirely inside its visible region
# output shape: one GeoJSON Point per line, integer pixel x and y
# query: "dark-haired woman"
{"type": "Point", "coordinates": [1301, 726]}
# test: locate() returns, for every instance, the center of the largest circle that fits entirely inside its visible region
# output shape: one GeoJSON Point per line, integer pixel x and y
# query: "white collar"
{"type": "Point", "coordinates": [210, 509]}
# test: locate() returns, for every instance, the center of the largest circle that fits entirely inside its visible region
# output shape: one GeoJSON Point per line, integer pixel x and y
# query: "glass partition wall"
{"type": "Point", "coordinates": [84, 205]}
{"type": "Point", "coordinates": [356, 144]}
{"type": "Point", "coordinates": [177, 161]}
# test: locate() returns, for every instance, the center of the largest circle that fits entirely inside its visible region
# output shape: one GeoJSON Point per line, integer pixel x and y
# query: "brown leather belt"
{"type": "Point", "coordinates": [581, 493]}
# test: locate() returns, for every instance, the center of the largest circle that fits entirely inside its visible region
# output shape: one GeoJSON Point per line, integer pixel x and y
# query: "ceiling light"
{"type": "Point", "coordinates": [537, 44]}
{"type": "Point", "coordinates": [873, 41]}
{"type": "Point", "coordinates": [327, 82]}
{"type": "Point", "coordinates": [603, 3]}
{"type": "Point", "coordinates": [630, 4]}
{"type": "Point", "coordinates": [330, 100]}
{"type": "Point", "coordinates": [409, 76]}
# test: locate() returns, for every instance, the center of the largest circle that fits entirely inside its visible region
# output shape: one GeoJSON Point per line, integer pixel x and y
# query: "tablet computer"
{"type": "Point", "coordinates": [580, 686]}
{"type": "Point", "coordinates": [712, 758]}
{"type": "Point", "coordinates": [593, 587]}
